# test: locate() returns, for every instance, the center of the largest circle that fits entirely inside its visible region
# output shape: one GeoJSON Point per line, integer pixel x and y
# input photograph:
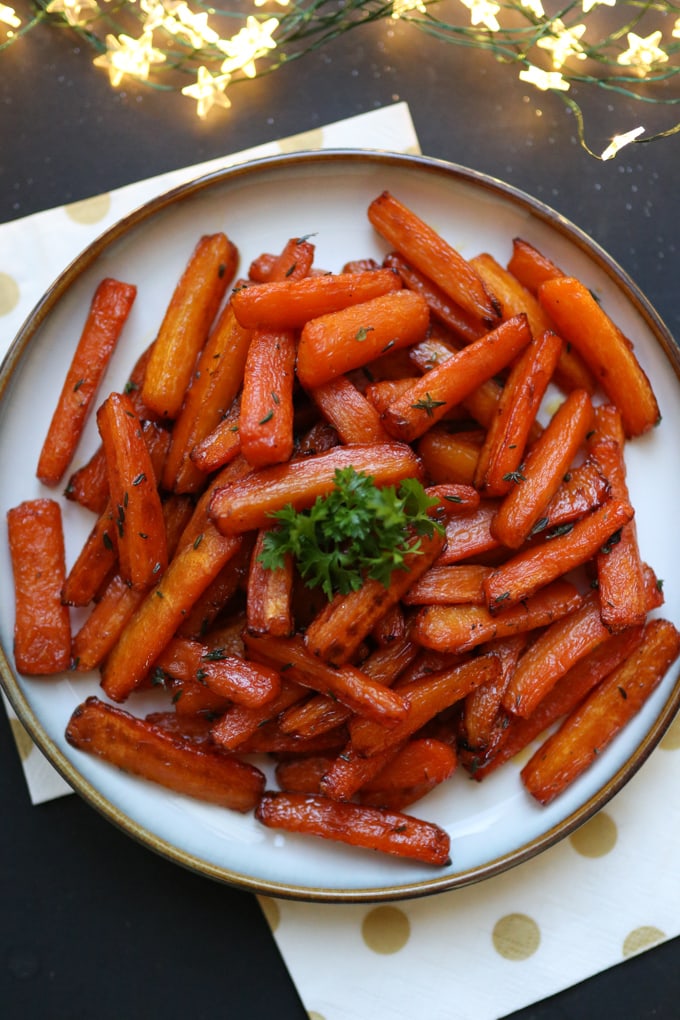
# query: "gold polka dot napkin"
{"type": "Point", "coordinates": [609, 891]}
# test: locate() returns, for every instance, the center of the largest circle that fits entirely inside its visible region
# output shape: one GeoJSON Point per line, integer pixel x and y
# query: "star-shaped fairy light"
{"type": "Point", "coordinates": [281, 3]}
{"type": "Point", "coordinates": [589, 4]}
{"type": "Point", "coordinates": [483, 12]}
{"type": "Point", "coordinates": [563, 42]}
{"type": "Point", "coordinates": [618, 142]}
{"type": "Point", "coordinates": [208, 91]}
{"type": "Point", "coordinates": [535, 6]}
{"type": "Point", "coordinates": [643, 52]}
{"type": "Point", "coordinates": [544, 80]}
{"type": "Point", "coordinates": [75, 11]}
{"type": "Point", "coordinates": [127, 56]}
{"type": "Point", "coordinates": [178, 20]}
{"type": "Point", "coordinates": [8, 16]}
{"type": "Point", "coordinates": [676, 29]}
{"type": "Point", "coordinates": [402, 7]}
{"type": "Point", "coordinates": [248, 45]}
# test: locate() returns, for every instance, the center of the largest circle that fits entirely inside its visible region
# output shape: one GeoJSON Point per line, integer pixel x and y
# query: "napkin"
{"type": "Point", "coordinates": [609, 891]}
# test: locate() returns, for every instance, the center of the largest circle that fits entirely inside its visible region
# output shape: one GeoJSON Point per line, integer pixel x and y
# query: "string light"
{"type": "Point", "coordinates": [199, 51]}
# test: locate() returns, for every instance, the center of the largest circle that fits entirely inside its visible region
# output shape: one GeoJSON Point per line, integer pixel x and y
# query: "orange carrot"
{"type": "Point", "coordinates": [530, 266]}
{"type": "Point", "coordinates": [269, 595]}
{"type": "Point", "coordinates": [266, 418]}
{"type": "Point", "coordinates": [347, 409]}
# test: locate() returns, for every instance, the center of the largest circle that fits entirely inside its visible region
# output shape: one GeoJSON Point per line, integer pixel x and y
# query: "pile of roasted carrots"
{"type": "Point", "coordinates": [526, 610]}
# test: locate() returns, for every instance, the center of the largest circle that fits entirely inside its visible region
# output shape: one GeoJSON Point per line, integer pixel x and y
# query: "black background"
{"type": "Point", "coordinates": [91, 924]}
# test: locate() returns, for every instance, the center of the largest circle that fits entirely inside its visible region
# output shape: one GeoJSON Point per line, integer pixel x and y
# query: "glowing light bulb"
{"type": "Point", "coordinates": [544, 80]}
{"type": "Point", "coordinates": [563, 42]}
{"type": "Point", "coordinates": [248, 45]}
{"type": "Point", "coordinates": [208, 91]}
{"type": "Point", "coordinates": [76, 12]}
{"type": "Point", "coordinates": [8, 16]}
{"type": "Point", "coordinates": [643, 52]}
{"type": "Point", "coordinates": [618, 142]}
{"type": "Point", "coordinates": [127, 56]}
{"type": "Point", "coordinates": [483, 12]}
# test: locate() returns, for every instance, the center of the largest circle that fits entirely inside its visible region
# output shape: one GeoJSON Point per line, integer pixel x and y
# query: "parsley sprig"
{"type": "Point", "coordinates": [357, 531]}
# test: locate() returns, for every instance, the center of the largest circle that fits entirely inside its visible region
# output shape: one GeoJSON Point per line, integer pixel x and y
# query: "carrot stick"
{"type": "Point", "coordinates": [269, 595]}
{"type": "Point", "coordinates": [504, 446]}
{"type": "Point", "coordinates": [440, 389]}
{"type": "Point", "coordinates": [530, 266]}
{"type": "Point", "coordinates": [609, 355]}
{"type": "Point", "coordinates": [450, 457]}
{"type": "Point", "coordinates": [448, 585]}
{"type": "Point", "coordinates": [108, 313]}
{"type": "Point", "coordinates": [469, 534]}
{"type": "Point", "coordinates": [234, 678]}
{"type": "Point", "coordinates": [430, 253]}
{"type": "Point", "coordinates": [483, 718]}
{"type": "Point", "coordinates": [266, 419]}
{"type": "Point", "coordinates": [583, 489]}
{"type": "Point", "coordinates": [143, 749]}
{"type": "Point", "coordinates": [522, 575]}
{"type": "Point", "coordinates": [294, 262]}
{"type": "Point", "coordinates": [464, 627]}
{"type": "Point", "coordinates": [222, 444]}
{"type": "Point", "coordinates": [539, 478]}
{"type": "Point", "coordinates": [420, 766]}
{"type": "Point", "coordinates": [103, 626]}
{"type": "Point", "coordinates": [389, 832]}
{"type": "Point", "coordinates": [248, 504]}
{"type": "Point", "coordinates": [349, 412]}
{"type": "Point", "coordinates": [42, 627]}
{"type": "Point", "coordinates": [341, 341]}
{"type": "Point", "coordinates": [591, 727]}
{"type": "Point", "coordinates": [186, 323]}
{"type": "Point", "coordinates": [239, 723]}
{"type": "Point", "coordinates": [289, 304]}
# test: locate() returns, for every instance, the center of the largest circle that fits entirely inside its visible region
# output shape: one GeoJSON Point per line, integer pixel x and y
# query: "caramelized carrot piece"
{"type": "Point", "coordinates": [464, 627]}
{"type": "Point", "coordinates": [440, 389]}
{"type": "Point", "coordinates": [583, 489]}
{"type": "Point", "coordinates": [42, 627]}
{"type": "Point", "coordinates": [294, 262]}
{"type": "Point", "coordinates": [430, 253]}
{"type": "Point", "coordinates": [354, 419]}
{"type": "Point", "coordinates": [389, 832]}
{"type": "Point", "coordinates": [448, 585]}
{"type": "Point", "coordinates": [450, 456]}
{"type": "Point", "coordinates": [582, 322]}
{"type": "Point", "coordinates": [222, 444]}
{"type": "Point", "coordinates": [239, 723]}
{"type": "Point", "coordinates": [469, 534]}
{"type": "Point", "coordinates": [420, 766]}
{"type": "Point", "coordinates": [352, 337]}
{"type": "Point", "coordinates": [108, 313]}
{"type": "Point", "coordinates": [483, 718]}
{"type": "Point", "coordinates": [465, 326]}
{"type": "Point", "coordinates": [266, 419]}
{"type": "Point", "coordinates": [530, 266]}
{"type": "Point", "coordinates": [186, 323]}
{"type": "Point", "coordinates": [102, 628]}
{"type": "Point", "coordinates": [249, 503]}
{"type": "Point", "coordinates": [269, 595]}
{"type": "Point", "coordinates": [530, 569]}
{"type": "Point", "coordinates": [289, 304]}
{"type": "Point", "coordinates": [230, 676]}
{"type": "Point", "coordinates": [146, 750]}
{"type": "Point", "coordinates": [586, 732]}
{"type": "Point", "coordinates": [546, 465]}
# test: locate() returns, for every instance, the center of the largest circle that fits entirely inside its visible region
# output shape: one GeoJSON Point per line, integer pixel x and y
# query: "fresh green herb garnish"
{"type": "Point", "coordinates": [357, 531]}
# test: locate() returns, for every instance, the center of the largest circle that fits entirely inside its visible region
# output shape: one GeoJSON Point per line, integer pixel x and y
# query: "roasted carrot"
{"type": "Point", "coordinates": [294, 262]}
{"type": "Point", "coordinates": [440, 389]}
{"type": "Point", "coordinates": [531, 266]}
{"type": "Point", "coordinates": [583, 489]}
{"type": "Point", "coordinates": [530, 569]}
{"type": "Point", "coordinates": [42, 626]}
{"type": "Point", "coordinates": [186, 323]}
{"type": "Point", "coordinates": [230, 676]}
{"type": "Point", "coordinates": [463, 627]}
{"type": "Point", "coordinates": [420, 766]}
{"type": "Point", "coordinates": [266, 418]}
{"type": "Point", "coordinates": [222, 444]}
{"type": "Point", "coordinates": [341, 341]}
{"type": "Point", "coordinates": [289, 304]}
{"type": "Point", "coordinates": [448, 585]}
{"type": "Point", "coordinates": [430, 253]}
{"type": "Point", "coordinates": [468, 535]}
{"type": "Point", "coordinates": [450, 456]}
{"type": "Point", "coordinates": [582, 322]}
{"type": "Point", "coordinates": [389, 832]}
{"type": "Point", "coordinates": [102, 628]}
{"type": "Point", "coordinates": [269, 595]}
{"type": "Point", "coordinates": [249, 503]}
{"type": "Point", "coordinates": [108, 313]}
{"type": "Point", "coordinates": [586, 732]}
{"type": "Point", "coordinates": [483, 719]}
{"type": "Point", "coordinates": [239, 723]}
{"type": "Point", "coordinates": [346, 408]}
{"type": "Point", "coordinates": [143, 749]}
{"type": "Point", "coordinates": [539, 478]}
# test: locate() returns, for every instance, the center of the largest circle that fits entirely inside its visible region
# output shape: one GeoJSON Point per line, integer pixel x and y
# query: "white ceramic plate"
{"type": "Point", "coordinates": [493, 825]}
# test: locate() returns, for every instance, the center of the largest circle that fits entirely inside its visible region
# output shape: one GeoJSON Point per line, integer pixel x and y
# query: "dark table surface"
{"type": "Point", "coordinates": [92, 925]}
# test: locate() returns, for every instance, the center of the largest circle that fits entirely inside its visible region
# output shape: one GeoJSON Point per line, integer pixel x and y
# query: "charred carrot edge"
{"type": "Point", "coordinates": [583, 489]}
{"type": "Point", "coordinates": [108, 313]}
{"type": "Point", "coordinates": [214, 386]}
{"type": "Point", "coordinates": [567, 693]}
{"type": "Point", "coordinates": [353, 417]}
{"type": "Point", "coordinates": [588, 730]}
{"type": "Point", "coordinates": [133, 492]}
{"type": "Point", "coordinates": [503, 449]}
{"type": "Point", "coordinates": [289, 304]}
{"type": "Point", "coordinates": [269, 595]}
{"type": "Point", "coordinates": [334, 344]}
{"type": "Point", "coordinates": [543, 471]}
{"type": "Point", "coordinates": [465, 326]}
{"type": "Point", "coordinates": [430, 253]}
{"type": "Point", "coordinates": [42, 626]}
{"type": "Point", "coordinates": [522, 575]}
{"type": "Point", "coordinates": [146, 750]}
{"type": "Point", "coordinates": [440, 389]}
{"type": "Point", "coordinates": [248, 504]}
{"type": "Point", "coordinates": [189, 573]}
{"type": "Point", "coordinates": [335, 633]}
{"type": "Point", "coordinates": [266, 418]}
{"type": "Point", "coordinates": [609, 355]}
{"type": "Point", "coordinates": [186, 323]}
{"type": "Point", "coordinates": [389, 832]}
{"type": "Point", "coordinates": [455, 629]}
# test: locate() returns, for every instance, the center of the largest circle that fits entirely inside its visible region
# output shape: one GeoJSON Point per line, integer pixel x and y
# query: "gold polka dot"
{"type": "Point", "coordinates": [306, 140]}
{"type": "Point", "coordinates": [89, 210]}
{"type": "Point", "coordinates": [641, 938]}
{"type": "Point", "coordinates": [271, 911]}
{"type": "Point", "coordinates": [9, 294]}
{"type": "Point", "coordinates": [516, 936]}
{"type": "Point", "coordinates": [386, 930]}
{"type": "Point", "coordinates": [671, 738]}
{"type": "Point", "coordinates": [21, 738]}
{"type": "Point", "coordinates": [596, 838]}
